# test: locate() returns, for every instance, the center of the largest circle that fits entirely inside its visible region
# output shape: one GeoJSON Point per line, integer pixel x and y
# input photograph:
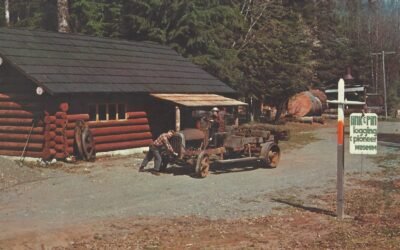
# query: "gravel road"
{"type": "Point", "coordinates": [115, 189]}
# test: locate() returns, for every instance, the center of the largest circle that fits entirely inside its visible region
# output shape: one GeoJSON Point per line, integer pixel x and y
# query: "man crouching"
{"type": "Point", "coordinates": [155, 151]}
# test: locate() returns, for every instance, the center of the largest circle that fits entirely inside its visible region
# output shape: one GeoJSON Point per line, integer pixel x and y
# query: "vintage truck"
{"type": "Point", "coordinates": [198, 148]}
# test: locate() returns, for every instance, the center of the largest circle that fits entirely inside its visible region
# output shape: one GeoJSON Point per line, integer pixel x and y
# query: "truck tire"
{"type": "Point", "coordinates": [270, 155]}
{"type": "Point", "coordinates": [202, 165]}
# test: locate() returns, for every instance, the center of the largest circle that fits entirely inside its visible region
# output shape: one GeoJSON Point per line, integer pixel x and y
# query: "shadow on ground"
{"type": "Point", "coordinates": [215, 168]}
{"type": "Point", "coordinates": [310, 209]}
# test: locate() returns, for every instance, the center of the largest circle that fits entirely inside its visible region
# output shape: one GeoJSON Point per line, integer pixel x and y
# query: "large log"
{"type": "Point", "coordinates": [21, 129]}
{"type": "Point", "coordinates": [123, 137]}
{"type": "Point", "coordinates": [304, 103]}
{"type": "Point", "coordinates": [19, 152]}
{"type": "Point", "coordinates": [120, 130]}
{"type": "Point", "coordinates": [137, 114]}
{"type": "Point", "coordinates": [137, 121]}
{"type": "Point", "coordinates": [18, 121]}
{"type": "Point", "coordinates": [16, 113]}
{"type": "Point", "coordinates": [122, 145]}
{"type": "Point", "coordinates": [75, 117]}
{"type": "Point", "coordinates": [21, 145]}
{"type": "Point", "coordinates": [20, 137]}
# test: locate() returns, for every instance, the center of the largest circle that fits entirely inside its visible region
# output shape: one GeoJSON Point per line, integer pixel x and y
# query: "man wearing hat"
{"type": "Point", "coordinates": [214, 123]}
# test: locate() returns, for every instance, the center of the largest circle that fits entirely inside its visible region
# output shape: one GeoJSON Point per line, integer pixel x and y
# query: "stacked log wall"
{"type": "Point", "coordinates": [116, 134]}
{"type": "Point", "coordinates": [19, 105]}
{"type": "Point", "coordinates": [63, 150]}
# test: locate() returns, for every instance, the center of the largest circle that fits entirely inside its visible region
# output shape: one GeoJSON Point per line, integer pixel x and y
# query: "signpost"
{"type": "Point", "coordinates": [340, 146]}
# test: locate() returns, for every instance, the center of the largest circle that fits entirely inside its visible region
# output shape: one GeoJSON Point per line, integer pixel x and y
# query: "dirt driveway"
{"type": "Point", "coordinates": [112, 189]}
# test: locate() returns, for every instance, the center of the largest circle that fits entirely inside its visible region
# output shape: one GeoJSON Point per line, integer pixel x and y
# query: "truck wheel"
{"type": "Point", "coordinates": [202, 165]}
{"type": "Point", "coordinates": [271, 155]}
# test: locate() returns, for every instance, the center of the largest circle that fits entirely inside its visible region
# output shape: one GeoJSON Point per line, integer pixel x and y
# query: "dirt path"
{"type": "Point", "coordinates": [108, 190]}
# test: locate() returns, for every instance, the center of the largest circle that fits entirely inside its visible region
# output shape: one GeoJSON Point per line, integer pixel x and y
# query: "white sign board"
{"type": "Point", "coordinates": [363, 133]}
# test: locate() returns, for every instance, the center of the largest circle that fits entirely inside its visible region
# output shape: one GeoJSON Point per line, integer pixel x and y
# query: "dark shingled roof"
{"type": "Point", "coordinates": [70, 63]}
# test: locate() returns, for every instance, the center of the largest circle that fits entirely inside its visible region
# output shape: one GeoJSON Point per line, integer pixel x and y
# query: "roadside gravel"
{"type": "Point", "coordinates": [115, 189]}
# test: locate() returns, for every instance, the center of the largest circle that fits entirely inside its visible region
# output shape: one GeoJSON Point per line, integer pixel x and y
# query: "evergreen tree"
{"type": "Point", "coordinates": [2, 14]}
{"type": "Point", "coordinates": [101, 18]}
{"type": "Point", "coordinates": [276, 61]}
{"type": "Point", "coordinates": [202, 30]}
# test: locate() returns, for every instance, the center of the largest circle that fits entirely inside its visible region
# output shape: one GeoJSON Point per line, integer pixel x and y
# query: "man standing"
{"type": "Point", "coordinates": [214, 125]}
{"type": "Point", "coordinates": [155, 151]}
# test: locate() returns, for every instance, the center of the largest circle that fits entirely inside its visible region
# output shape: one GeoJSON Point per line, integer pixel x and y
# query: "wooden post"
{"type": "Point", "coordinates": [7, 11]}
{"type": "Point", "coordinates": [340, 152]}
{"type": "Point", "coordinates": [63, 16]}
{"type": "Point", "coordinates": [177, 119]}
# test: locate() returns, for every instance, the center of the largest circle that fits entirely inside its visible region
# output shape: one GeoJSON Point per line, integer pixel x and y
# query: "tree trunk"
{"type": "Point", "coordinates": [63, 16]}
{"type": "Point", "coordinates": [279, 110]}
{"type": "Point", "coordinates": [7, 11]}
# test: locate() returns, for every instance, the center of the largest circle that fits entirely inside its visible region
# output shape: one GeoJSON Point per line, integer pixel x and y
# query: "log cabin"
{"type": "Point", "coordinates": [127, 92]}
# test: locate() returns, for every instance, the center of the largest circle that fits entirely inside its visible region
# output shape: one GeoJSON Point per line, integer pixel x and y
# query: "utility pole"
{"type": "Point", "coordinates": [383, 53]}
{"type": "Point", "coordinates": [374, 72]}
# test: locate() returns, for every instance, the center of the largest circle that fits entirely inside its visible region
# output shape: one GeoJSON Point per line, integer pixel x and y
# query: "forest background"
{"type": "Point", "coordinates": [265, 49]}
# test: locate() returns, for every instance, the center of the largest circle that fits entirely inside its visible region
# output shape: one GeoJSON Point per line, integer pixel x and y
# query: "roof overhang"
{"type": "Point", "coordinates": [199, 100]}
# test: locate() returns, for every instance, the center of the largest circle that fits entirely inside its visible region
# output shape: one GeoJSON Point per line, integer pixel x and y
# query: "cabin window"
{"type": "Point", "coordinates": [107, 112]}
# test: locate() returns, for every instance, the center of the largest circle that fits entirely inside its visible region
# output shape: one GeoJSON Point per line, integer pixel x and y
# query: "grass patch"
{"type": "Point", "coordinates": [298, 140]}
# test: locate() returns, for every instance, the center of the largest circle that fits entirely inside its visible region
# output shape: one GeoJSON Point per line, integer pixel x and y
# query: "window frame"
{"type": "Point", "coordinates": [107, 115]}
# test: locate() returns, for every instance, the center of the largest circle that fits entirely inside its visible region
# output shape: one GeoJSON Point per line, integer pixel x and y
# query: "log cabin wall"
{"type": "Point", "coordinates": [130, 130]}
{"type": "Point", "coordinates": [19, 104]}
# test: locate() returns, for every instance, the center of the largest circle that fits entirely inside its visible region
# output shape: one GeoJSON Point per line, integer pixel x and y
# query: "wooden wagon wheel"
{"type": "Point", "coordinates": [78, 137]}
{"type": "Point", "coordinates": [88, 147]}
{"type": "Point", "coordinates": [202, 165]}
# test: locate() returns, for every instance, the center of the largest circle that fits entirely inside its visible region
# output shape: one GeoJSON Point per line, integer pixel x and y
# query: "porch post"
{"type": "Point", "coordinates": [177, 119]}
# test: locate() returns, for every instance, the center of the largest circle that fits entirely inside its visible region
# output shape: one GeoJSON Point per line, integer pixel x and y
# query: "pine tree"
{"type": "Point", "coordinates": [276, 59]}
{"type": "Point", "coordinates": [202, 30]}
{"type": "Point", "coordinates": [2, 14]}
{"type": "Point", "coordinates": [93, 17]}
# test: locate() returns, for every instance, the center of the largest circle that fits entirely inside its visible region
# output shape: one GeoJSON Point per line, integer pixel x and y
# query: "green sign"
{"type": "Point", "coordinates": [363, 133]}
